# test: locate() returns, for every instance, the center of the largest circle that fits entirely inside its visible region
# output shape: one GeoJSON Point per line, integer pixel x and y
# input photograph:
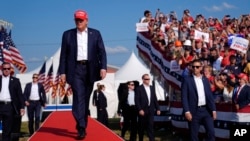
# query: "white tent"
{"type": "Point", "coordinates": [133, 69]}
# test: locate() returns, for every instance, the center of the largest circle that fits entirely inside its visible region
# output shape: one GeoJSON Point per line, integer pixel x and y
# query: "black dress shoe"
{"type": "Point", "coordinates": [81, 134]}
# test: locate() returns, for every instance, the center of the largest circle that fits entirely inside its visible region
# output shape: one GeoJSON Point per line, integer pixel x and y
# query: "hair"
{"type": "Point", "coordinates": [210, 68]}
{"type": "Point", "coordinates": [144, 75]}
{"type": "Point", "coordinates": [130, 82]}
{"type": "Point", "coordinates": [232, 57]}
{"type": "Point", "coordinates": [197, 60]}
{"type": "Point", "coordinates": [146, 12]}
{"type": "Point", "coordinates": [6, 63]}
{"type": "Point", "coordinates": [101, 86]}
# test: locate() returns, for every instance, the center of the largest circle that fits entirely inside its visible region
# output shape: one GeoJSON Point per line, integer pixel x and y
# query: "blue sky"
{"type": "Point", "coordinates": [38, 25]}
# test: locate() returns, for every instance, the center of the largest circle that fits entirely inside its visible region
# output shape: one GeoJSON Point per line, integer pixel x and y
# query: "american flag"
{"type": "Point", "coordinates": [41, 75]}
{"type": "Point", "coordinates": [1, 52]}
{"type": "Point", "coordinates": [69, 90]}
{"type": "Point", "coordinates": [10, 53]}
{"type": "Point", "coordinates": [49, 79]}
{"type": "Point", "coordinates": [56, 84]}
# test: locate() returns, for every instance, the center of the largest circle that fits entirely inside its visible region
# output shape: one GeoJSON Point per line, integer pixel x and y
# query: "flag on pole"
{"type": "Point", "coordinates": [41, 75]}
{"type": "Point", "coordinates": [49, 79]}
{"type": "Point", "coordinates": [10, 53]}
{"type": "Point", "coordinates": [56, 84]}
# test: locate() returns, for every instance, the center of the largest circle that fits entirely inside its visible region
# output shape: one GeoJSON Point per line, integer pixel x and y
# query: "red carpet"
{"type": "Point", "coordinates": [60, 126]}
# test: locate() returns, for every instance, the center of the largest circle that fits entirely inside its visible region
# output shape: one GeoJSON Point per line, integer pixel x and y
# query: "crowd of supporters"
{"type": "Point", "coordinates": [175, 38]}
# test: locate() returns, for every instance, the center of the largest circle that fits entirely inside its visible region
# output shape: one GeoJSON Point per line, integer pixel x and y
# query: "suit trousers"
{"type": "Point", "coordinates": [129, 114]}
{"type": "Point", "coordinates": [34, 111]}
{"type": "Point", "coordinates": [6, 115]}
{"type": "Point", "coordinates": [16, 127]}
{"type": "Point", "coordinates": [102, 116]}
{"type": "Point", "coordinates": [201, 117]}
{"type": "Point", "coordinates": [82, 89]}
{"type": "Point", "coordinates": [146, 122]}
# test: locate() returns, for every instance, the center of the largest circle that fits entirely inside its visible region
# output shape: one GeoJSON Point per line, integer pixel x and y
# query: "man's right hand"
{"type": "Point", "coordinates": [27, 103]}
{"type": "Point", "coordinates": [188, 116]}
{"type": "Point", "coordinates": [141, 112]}
{"type": "Point", "coordinates": [63, 77]}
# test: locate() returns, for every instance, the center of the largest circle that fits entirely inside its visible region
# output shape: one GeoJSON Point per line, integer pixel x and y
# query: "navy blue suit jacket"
{"type": "Point", "coordinates": [243, 97]}
{"type": "Point", "coordinates": [16, 95]}
{"type": "Point", "coordinates": [141, 100]}
{"type": "Point", "coordinates": [97, 59]}
{"type": "Point", "coordinates": [102, 101]}
{"type": "Point", "coordinates": [41, 92]}
{"type": "Point", "coordinates": [189, 95]}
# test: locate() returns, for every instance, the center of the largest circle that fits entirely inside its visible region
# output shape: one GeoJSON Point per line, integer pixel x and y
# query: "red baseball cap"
{"type": "Point", "coordinates": [231, 76]}
{"type": "Point", "coordinates": [243, 76]}
{"type": "Point", "coordinates": [80, 14]}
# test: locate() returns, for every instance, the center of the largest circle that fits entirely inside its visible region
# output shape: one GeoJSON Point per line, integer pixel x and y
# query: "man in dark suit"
{"type": "Point", "coordinates": [146, 104]}
{"type": "Point", "coordinates": [127, 109]}
{"type": "Point", "coordinates": [82, 62]}
{"type": "Point", "coordinates": [11, 102]}
{"type": "Point", "coordinates": [101, 104]}
{"type": "Point", "coordinates": [35, 99]}
{"type": "Point", "coordinates": [198, 103]}
{"type": "Point", "coordinates": [241, 97]}
{"type": "Point", "coordinates": [95, 93]}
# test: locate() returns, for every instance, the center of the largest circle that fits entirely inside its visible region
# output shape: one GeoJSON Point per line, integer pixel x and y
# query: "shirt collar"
{"type": "Point", "coordinates": [84, 31]}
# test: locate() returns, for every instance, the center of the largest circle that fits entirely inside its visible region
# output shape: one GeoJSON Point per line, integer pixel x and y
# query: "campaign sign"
{"type": "Point", "coordinates": [141, 27]}
{"type": "Point", "coordinates": [240, 44]}
{"type": "Point", "coordinates": [239, 132]}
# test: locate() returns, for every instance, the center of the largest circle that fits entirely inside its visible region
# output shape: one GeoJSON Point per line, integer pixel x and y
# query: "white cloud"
{"type": "Point", "coordinates": [115, 50]}
{"type": "Point", "coordinates": [34, 59]}
{"type": "Point", "coordinates": [228, 6]}
{"type": "Point", "coordinates": [221, 7]}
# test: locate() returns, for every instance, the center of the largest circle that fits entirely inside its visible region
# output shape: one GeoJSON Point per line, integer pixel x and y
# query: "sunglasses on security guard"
{"type": "Point", "coordinates": [6, 68]}
{"type": "Point", "coordinates": [196, 67]}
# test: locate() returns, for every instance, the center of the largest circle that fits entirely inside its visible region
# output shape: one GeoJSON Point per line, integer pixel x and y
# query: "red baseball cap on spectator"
{"type": "Point", "coordinates": [198, 41]}
{"type": "Point", "coordinates": [243, 76]}
{"type": "Point", "coordinates": [80, 14]}
{"type": "Point", "coordinates": [231, 76]}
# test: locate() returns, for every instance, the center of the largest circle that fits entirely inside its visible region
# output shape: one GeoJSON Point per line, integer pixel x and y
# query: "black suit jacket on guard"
{"type": "Point", "coordinates": [41, 92]}
{"type": "Point", "coordinates": [17, 98]}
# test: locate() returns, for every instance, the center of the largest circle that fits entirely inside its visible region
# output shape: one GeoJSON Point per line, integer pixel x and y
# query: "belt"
{"type": "Point", "coordinates": [201, 106]}
{"type": "Point", "coordinates": [82, 62]}
{"type": "Point", "coordinates": [4, 102]}
{"type": "Point", "coordinates": [34, 100]}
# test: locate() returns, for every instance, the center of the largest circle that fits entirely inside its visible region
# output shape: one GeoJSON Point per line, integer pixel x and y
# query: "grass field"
{"type": "Point", "coordinates": [161, 134]}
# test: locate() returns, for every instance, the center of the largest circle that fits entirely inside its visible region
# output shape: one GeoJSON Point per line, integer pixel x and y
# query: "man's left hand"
{"type": "Point", "coordinates": [103, 73]}
{"type": "Point", "coordinates": [22, 112]}
{"type": "Point", "coordinates": [158, 112]}
{"type": "Point", "coordinates": [214, 115]}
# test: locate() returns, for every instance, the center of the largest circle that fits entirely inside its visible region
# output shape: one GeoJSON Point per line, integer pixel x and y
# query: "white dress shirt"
{"type": "Point", "coordinates": [131, 98]}
{"type": "Point", "coordinates": [147, 88]}
{"type": "Point", "coordinates": [5, 93]}
{"type": "Point", "coordinates": [34, 94]}
{"type": "Point", "coordinates": [82, 45]}
{"type": "Point", "coordinates": [200, 90]}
